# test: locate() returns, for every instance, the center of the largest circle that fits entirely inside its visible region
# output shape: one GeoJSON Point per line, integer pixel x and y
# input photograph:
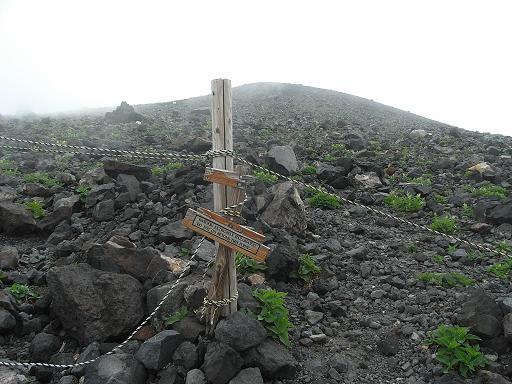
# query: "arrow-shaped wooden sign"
{"type": "Point", "coordinates": [228, 178]}
{"type": "Point", "coordinates": [226, 232]}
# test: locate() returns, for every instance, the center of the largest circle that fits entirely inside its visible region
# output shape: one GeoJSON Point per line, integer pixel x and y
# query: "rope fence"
{"type": "Point", "coordinates": [233, 211]}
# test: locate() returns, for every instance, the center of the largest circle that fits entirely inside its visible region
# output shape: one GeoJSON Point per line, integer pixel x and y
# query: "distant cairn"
{"type": "Point", "coordinates": [123, 114]}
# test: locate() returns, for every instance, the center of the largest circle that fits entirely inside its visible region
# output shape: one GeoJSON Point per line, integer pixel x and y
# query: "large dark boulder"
{"type": "Point", "coordinates": [280, 262]}
{"type": "Point", "coordinates": [286, 209]}
{"type": "Point", "coordinates": [15, 219]}
{"type": "Point", "coordinates": [482, 315]}
{"type": "Point", "coordinates": [273, 359]}
{"type": "Point", "coordinates": [221, 363]}
{"type": "Point", "coordinates": [502, 213]}
{"type": "Point", "coordinates": [62, 211]}
{"type": "Point", "coordinates": [240, 332]}
{"type": "Point", "coordinates": [114, 168]}
{"type": "Point", "coordinates": [95, 305]}
{"type": "Point", "coordinates": [119, 255]}
{"type": "Point", "coordinates": [156, 352]}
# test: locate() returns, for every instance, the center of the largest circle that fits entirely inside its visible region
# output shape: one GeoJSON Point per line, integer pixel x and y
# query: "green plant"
{"type": "Point", "coordinates": [501, 270]}
{"type": "Point", "coordinates": [489, 190]}
{"type": "Point", "coordinates": [41, 178]}
{"type": "Point", "coordinates": [180, 314]}
{"type": "Point", "coordinates": [440, 199]}
{"type": "Point", "coordinates": [273, 314]}
{"type": "Point", "coordinates": [185, 252]}
{"type": "Point", "coordinates": [375, 145]}
{"type": "Point", "coordinates": [338, 147]}
{"type": "Point", "coordinates": [245, 264]}
{"type": "Point", "coordinates": [456, 349]}
{"type": "Point", "coordinates": [438, 259]}
{"type": "Point", "coordinates": [425, 179]}
{"type": "Point", "coordinates": [308, 170]}
{"type": "Point", "coordinates": [451, 248]}
{"type": "Point", "coordinates": [22, 292]}
{"type": "Point", "coordinates": [7, 168]}
{"type": "Point", "coordinates": [467, 210]}
{"type": "Point", "coordinates": [504, 247]}
{"type": "Point", "coordinates": [413, 248]}
{"type": "Point", "coordinates": [308, 269]}
{"type": "Point", "coordinates": [405, 203]}
{"type": "Point", "coordinates": [83, 192]}
{"type": "Point", "coordinates": [324, 200]}
{"type": "Point", "coordinates": [159, 171]}
{"type": "Point", "coordinates": [443, 224]}
{"type": "Point", "coordinates": [36, 208]}
{"type": "Point", "coordinates": [329, 158]}
{"type": "Point", "coordinates": [447, 280]}
{"type": "Point", "coordinates": [265, 177]}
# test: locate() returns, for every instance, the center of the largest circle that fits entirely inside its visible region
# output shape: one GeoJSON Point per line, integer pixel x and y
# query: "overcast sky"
{"type": "Point", "coordinates": [448, 60]}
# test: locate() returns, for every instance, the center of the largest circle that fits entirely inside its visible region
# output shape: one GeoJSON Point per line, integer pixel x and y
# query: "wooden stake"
{"type": "Point", "coordinates": [224, 277]}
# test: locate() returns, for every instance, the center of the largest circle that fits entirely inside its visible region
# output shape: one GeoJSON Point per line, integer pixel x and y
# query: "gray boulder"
{"type": "Point", "coordinates": [248, 376]}
{"type": "Point", "coordinates": [104, 210]}
{"type": "Point", "coordinates": [482, 314]}
{"type": "Point", "coordinates": [7, 321]}
{"type": "Point", "coordinates": [15, 219]}
{"type": "Point", "coordinates": [240, 332]}
{"type": "Point", "coordinates": [280, 262]}
{"type": "Point", "coordinates": [43, 346]}
{"type": "Point", "coordinates": [282, 159]}
{"type": "Point", "coordinates": [10, 376]}
{"type": "Point", "coordinates": [186, 356]}
{"type": "Point", "coordinates": [221, 363]}
{"type": "Point", "coordinates": [62, 211]}
{"type": "Point", "coordinates": [8, 258]}
{"type": "Point", "coordinates": [7, 194]}
{"type": "Point", "coordinates": [286, 209]}
{"type": "Point", "coordinates": [130, 184]}
{"type": "Point", "coordinates": [500, 214]}
{"type": "Point", "coordinates": [174, 231]}
{"type": "Point", "coordinates": [119, 255]}
{"type": "Point", "coordinates": [273, 359]}
{"type": "Point", "coordinates": [156, 352]}
{"type": "Point", "coordinates": [195, 376]}
{"type": "Point", "coordinates": [120, 368]}
{"type": "Point", "coordinates": [95, 305]}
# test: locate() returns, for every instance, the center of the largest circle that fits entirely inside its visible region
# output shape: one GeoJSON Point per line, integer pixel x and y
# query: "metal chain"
{"type": "Point", "coordinates": [150, 316]}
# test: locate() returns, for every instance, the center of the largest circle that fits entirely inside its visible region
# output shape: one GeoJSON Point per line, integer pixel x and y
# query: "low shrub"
{"type": "Point", "coordinates": [273, 314]}
{"type": "Point", "coordinates": [36, 208]}
{"type": "Point", "coordinates": [443, 224]}
{"type": "Point", "coordinates": [447, 280]}
{"type": "Point", "coordinates": [265, 177]}
{"type": "Point", "coordinates": [456, 349]}
{"type": "Point", "coordinates": [308, 269]}
{"type": "Point", "coordinates": [405, 202]}
{"type": "Point", "coordinates": [324, 200]}
{"type": "Point", "coordinates": [245, 264]}
{"type": "Point", "coordinates": [41, 178]}
{"type": "Point", "coordinates": [22, 292]}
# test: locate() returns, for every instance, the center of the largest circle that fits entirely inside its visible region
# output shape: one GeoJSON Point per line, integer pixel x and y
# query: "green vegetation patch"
{"type": "Point", "coordinates": [159, 171]}
{"type": "Point", "coordinates": [36, 208]}
{"type": "Point", "coordinates": [22, 292]}
{"type": "Point", "coordinates": [447, 279]}
{"type": "Point", "coordinates": [324, 200]}
{"type": "Point", "coordinates": [456, 349]}
{"type": "Point", "coordinates": [265, 177]}
{"type": "Point", "coordinates": [246, 265]}
{"type": "Point", "coordinates": [501, 270]}
{"type": "Point", "coordinates": [405, 202]}
{"type": "Point", "coordinates": [444, 224]}
{"type": "Point", "coordinates": [83, 192]}
{"type": "Point", "coordinates": [179, 315]}
{"type": "Point", "coordinates": [274, 314]}
{"type": "Point", "coordinates": [308, 170]}
{"type": "Point", "coordinates": [7, 168]}
{"type": "Point", "coordinates": [41, 178]}
{"type": "Point", "coordinates": [489, 190]}
{"type": "Point", "coordinates": [308, 269]}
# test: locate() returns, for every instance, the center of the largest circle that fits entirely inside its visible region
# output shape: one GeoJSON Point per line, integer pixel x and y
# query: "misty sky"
{"type": "Point", "coordinates": [447, 60]}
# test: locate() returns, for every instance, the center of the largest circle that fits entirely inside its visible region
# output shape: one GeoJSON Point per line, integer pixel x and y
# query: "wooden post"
{"type": "Point", "coordinates": [224, 283]}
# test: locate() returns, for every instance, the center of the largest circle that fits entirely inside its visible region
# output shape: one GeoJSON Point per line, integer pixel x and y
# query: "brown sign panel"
{"type": "Point", "coordinates": [225, 232]}
{"type": "Point", "coordinates": [228, 178]}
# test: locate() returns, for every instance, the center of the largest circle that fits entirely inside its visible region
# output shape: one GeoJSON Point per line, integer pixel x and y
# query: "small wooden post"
{"type": "Point", "coordinates": [224, 283]}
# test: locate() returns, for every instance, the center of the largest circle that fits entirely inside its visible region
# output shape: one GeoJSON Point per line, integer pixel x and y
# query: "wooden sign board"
{"type": "Point", "coordinates": [226, 232]}
{"type": "Point", "coordinates": [227, 178]}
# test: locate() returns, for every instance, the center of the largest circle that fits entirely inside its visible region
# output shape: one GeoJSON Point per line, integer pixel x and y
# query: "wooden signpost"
{"type": "Point", "coordinates": [228, 233]}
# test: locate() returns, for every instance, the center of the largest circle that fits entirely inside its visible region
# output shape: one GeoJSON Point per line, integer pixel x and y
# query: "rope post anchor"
{"type": "Point", "coordinates": [224, 283]}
